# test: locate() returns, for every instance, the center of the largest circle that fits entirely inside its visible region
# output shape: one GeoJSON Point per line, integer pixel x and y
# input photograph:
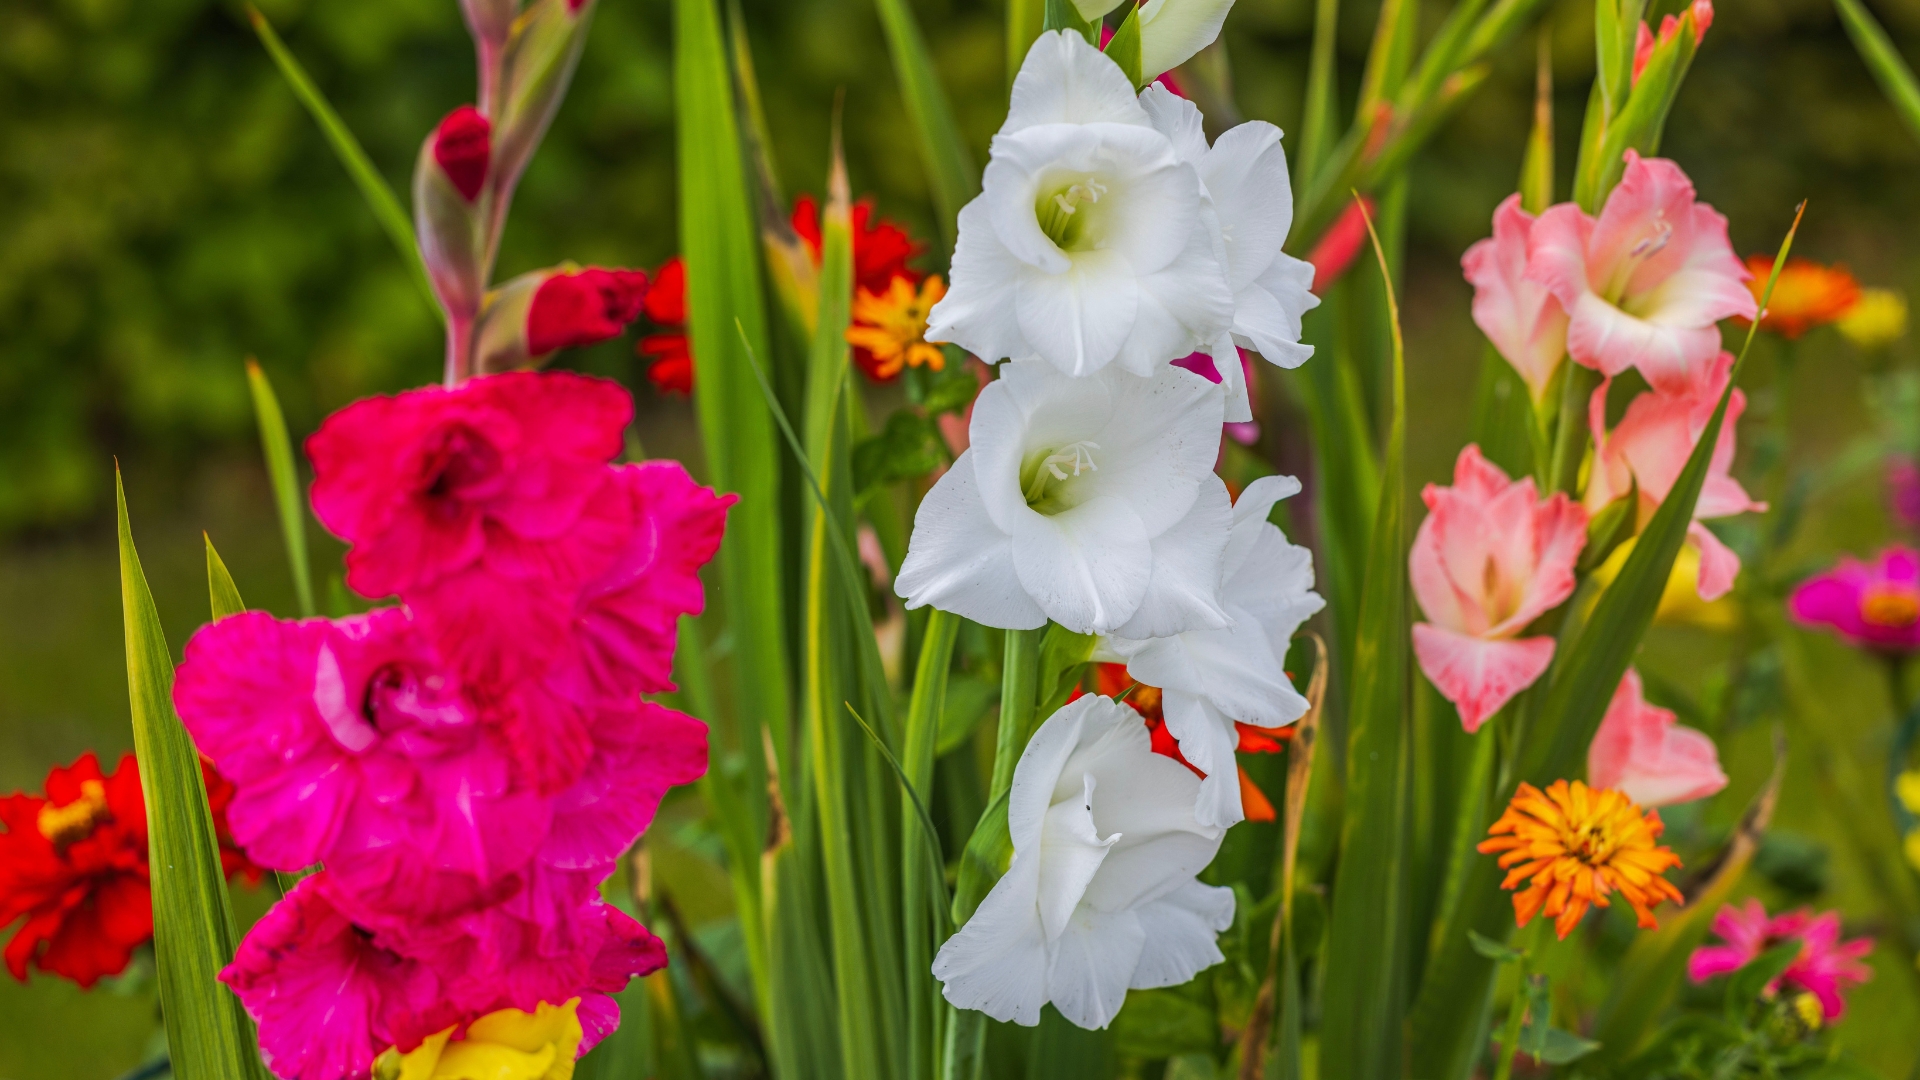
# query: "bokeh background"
{"type": "Point", "coordinates": [167, 209]}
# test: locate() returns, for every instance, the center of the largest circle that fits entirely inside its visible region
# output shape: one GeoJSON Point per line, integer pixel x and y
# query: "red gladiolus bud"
{"type": "Point", "coordinates": [1339, 246]}
{"type": "Point", "coordinates": [582, 308]}
{"type": "Point", "coordinates": [462, 147]}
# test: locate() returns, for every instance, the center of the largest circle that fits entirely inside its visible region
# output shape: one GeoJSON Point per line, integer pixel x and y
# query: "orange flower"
{"type": "Point", "coordinates": [1807, 294]}
{"type": "Point", "coordinates": [1111, 680]}
{"type": "Point", "coordinates": [892, 326]}
{"type": "Point", "coordinates": [1579, 844]}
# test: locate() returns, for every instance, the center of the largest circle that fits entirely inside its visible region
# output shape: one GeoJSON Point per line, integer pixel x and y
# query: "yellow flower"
{"type": "Point", "coordinates": [1579, 844]}
{"type": "Point", "coordinates": [1680, 601]}
{"type": "Point", "coordinates": [892, 327]}
{"type": "Point", "coordinates": [504, 1045]}
{"type": "Point", "coordinates": [1877, 319]}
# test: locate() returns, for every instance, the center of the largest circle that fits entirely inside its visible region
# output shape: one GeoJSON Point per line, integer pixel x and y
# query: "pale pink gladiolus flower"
{"type": "Point", "coordinates": [1643, 753]}
{"type": "Point", "coordinates": [1826, 964]}
{"type": "Point", "coordinates": [1651, 446]}
{"type": "Point", "coordinates": [1646, 282]}
{"type": "Point", "coordinates": [1519, 315]}
{"type": "Point", "coordinates": [1490, 558]}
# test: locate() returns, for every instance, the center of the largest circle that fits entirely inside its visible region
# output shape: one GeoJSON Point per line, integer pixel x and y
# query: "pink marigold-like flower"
{"type": "Point", "coordinates": [583, 307]}
{"type": "Point", "coordinates": [1651, 447]}
{"type": "Point", "coordinates": [349, 743]}
{"type": "Point", "coordinates": [1826, 965]}
{"type": "Point", "coordinates": [1518, 314]}
{"type": "Point", "coordinates": [1641, 751]}
{"type": "Point", "coordinates": [328, 998]}
{"type": "Point", "coordinates": [1490, 558]}
{"type": "Point", "coordinates": [1646, 282]}
{"type": "Point", "coordinates": [493, 473]}
{"type": "Point", "coordinates": [1874, 604]}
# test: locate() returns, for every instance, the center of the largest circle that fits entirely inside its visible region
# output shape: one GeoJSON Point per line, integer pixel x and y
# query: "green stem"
{"type": "Point", "coordinates": [1516, 1015]}
{"type": "Point", "coordinates": [1019, 688]}
{"type": "Point", "coordinates": [1570, 435]}
{"type": "Point", "coordinates": [919, 918]}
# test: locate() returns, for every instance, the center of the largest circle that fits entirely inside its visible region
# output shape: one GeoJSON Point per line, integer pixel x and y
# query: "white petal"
{"type": "Point", "coordinates": [1275, 586]}
{"type": "Point", "coordinates": [1031, 408]}
{"type": "Point", "coordinates": [1078, 320]}
{"type": "Point", "coordinates": [1250, 513]}
{"type": "Point", "coordinates": [1266, 313]}
{"type": "Point", "coordinates": [1093, 963]}
{"type": "Point", "coordinates": [977, 312]}
{"type": "Point", "coordinates": [1087, 568]}
{"type": "Point", "coordinates": [1171, 31]}
{"type": "Point", "coordinates": [1185, 924]}
{"type": "Point", "coordinates": [1246, 177]}
{"type": "Point", "coordinates": [1043, 766]}
{"type": "Point", "coordinates": [1178, 119]}
{"type": "Point", "coordinates": [1180, 309]}
{"type": "Point", "coordinates": [1183, 592]}
{"type": "Point", "coordinates": [1064, 80]}
{"type": "Point", "coordinates": [958, 560]}
{"type": "Point", "coordinates": [1207, 739]}
{"type": "Point", "coordinates": [1070, 854]}
{"type": "Point", "coordinates": [1158, 444]}
{"type": "Point", "coordinates": [1149, 800]}
{"type": "Point", "coordinates": [997, 962]}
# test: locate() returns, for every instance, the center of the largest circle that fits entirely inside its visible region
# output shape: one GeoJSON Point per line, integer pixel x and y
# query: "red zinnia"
{"type": "Point", "coordinates": [671, 370]}
{"type": "Point", "coordinates": [881, 248]}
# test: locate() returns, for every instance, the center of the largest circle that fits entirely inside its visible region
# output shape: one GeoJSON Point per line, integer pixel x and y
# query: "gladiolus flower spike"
{"type": "Point", "coordinates": [1579, 845]}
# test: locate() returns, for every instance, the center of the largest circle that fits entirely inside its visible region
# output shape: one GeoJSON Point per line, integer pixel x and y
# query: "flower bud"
{"type": "Point", "coordinates": [536, 67]}
{"type": "Point", "coordinates": [1643, 46]}
{"type": "Point", "coordinates": [539, 313]}
{"type": "Point", "coordinates": [448, 182]}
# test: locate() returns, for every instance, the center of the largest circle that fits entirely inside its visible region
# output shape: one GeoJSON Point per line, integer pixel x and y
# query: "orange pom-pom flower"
{"type": "Point", "coordinates": [1579, 845]}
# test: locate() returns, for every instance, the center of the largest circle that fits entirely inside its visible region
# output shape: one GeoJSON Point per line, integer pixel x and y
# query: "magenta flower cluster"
{"type": "Point", "coordinates": [469, 765]}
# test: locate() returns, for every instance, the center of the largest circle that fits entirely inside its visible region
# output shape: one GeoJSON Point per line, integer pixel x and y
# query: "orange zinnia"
{"type": "Point", "coordinates": [891, 327]}
{"type": "Point", "coordinates": [1807, 294]}
{"type": "Point", "coordinates": [1579, 844]}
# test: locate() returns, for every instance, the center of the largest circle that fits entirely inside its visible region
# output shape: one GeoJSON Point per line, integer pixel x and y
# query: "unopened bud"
{"type": "Point", "coordinates": [463, 147]}
{"type": "Point", "coordinates": [1644, 42]}
{"type": "Point", "coordinates": [1340, 245]}
{"type": "Point", "coordinates": [449, 180]}
{"type": "Point", "coordinates": [539, 313]}
{"type": "Point", "coordinates": [536, 67]}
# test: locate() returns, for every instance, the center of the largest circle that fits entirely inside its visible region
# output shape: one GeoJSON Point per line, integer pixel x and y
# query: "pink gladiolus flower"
{"type": "Point", "coordinates": [494, 472]}
{"type": "Point", "coordinates": [463, 148]}
{"type": "Point", "coordinates": [1669, 26]}
{"type": "Point", "coordinates": [1875, 605]}
{"type": "Point", "coordinates": [1518, 314]}
{"type": "Point", "coordinates": [1647, 281]}
{"type": "Point", "coordinates": [1643, 753]}
{"type": "Point", "coordinates": [1651, 447]}
{"type": "Point", "coordinates": [584, 307]}
{"type": "Point", "coordinates": [1826, 965]}
{"type": "Point", "coordinates": [349, 743]}
{"type": "Point", "coordinates": [1489, 559]}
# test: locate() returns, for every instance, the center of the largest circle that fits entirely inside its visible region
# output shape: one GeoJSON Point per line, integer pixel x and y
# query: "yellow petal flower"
{"type": "Point", "coordinates": [504, 1045]}
{"type": "Point", "coordinates": [1877, 319]}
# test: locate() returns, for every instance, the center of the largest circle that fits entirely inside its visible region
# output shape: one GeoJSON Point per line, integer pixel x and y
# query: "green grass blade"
{"type": "Point", "coordinates": [922, 907]}
{"type": "Point", "coordinates": [208, 1034]}
{"type": "Point", "coordinates": [1024, 21]}
{"type": "Point", "coordinates": [1317, 117]}
{"type": "Point", "coordinates": [1883, 60]}
{"type": "Point", "coordinates": [373, 187]}
{"type": "Point", "coordinates": [222, 594]}
{"type": "Point", "coordinates": [282, 473]}
{"type": "Point", "coordinates": [1367, 946]}
{"type": "Point", "coordinates": [949, 164]}
{"type": "Point", "coordinates": [1457, 988]}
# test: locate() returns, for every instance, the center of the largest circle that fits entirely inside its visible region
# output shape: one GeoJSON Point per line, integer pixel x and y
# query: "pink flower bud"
{"type": "Point", "coordinates": [462, 147]}
{"type": "Point", "coordinates": [570, 310]}
{"type": "Point", "coordinates": [1644, 42]}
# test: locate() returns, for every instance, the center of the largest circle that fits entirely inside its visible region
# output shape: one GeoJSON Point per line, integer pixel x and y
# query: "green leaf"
{"type": "Point", "coordinates": [1064, 15]}
{"type": "Point", "coordinates": [1494, 950]}
{"type": "Point", "coordinates": [1368, 941]}
{"type": "Point", "coordinates": [923, 910]}
{"type": "Point", "coordinates": [1608, 529]}
{"type": "Point", "coordinates": [1889, 69]}
{"type": "Point", "coordinates": [1533, 1037]}
{"type": "Point", "coordinates": [951, 389]}
{"type": "Point", "coordinates": [908, 448]}
{"type": "Point", "coordinates": [1124, 47]}
{"type": "Point", "coordinates": [1062, 655]}
{"type": "Point", "coordinates": [949, 164]}
{"type": "Point", "coordinates": [1163, 1024]}
{"type": "Point", "coordinates": [1564, 1047]}
{"type": "Point", "coordinates": [283, 475]}
{"type": "Point", "coordinates": [968, 699]}
{"type": "Point", "coordinates": [1317, 117]}
{"type": "Point", "coordinates": [373, 187]}
{"type": "Point", "coordinates": [1745, 986]}
{"type": "Point", "coordinates": [223, 594]}
{"type": "Point", "coordinates": [208, 1034]}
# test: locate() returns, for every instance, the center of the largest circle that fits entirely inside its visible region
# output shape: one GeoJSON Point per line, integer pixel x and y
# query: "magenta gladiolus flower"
{"type": "Point", "coordinates": [1826, 965]}
{"type": "Point", "coordinates": [1875, 604]}
{"type": "Point", "coordinates": [1518, 314]}
{"type": "Point", "coordinates": [492, 474]}
{"type": "Point", "coordinates": [1646, 282]}
{"type": "Point", "coordinates": [1490, 558]}
{"type": "Point", "coordinates": [1650, 448]}
{"type": "Point", "coordinates": [350, 743]}
{"type": "Point", "coordinates": [1643, 753]}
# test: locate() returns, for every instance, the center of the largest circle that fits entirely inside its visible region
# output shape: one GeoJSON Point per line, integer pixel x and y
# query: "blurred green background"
{"type": "Point", "coordinates": [167, 209]}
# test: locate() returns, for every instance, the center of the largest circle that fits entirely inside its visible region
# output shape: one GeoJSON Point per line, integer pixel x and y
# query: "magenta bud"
{"type": "Point", "coordinates": [570, 310]}
{"type": "Point", "coordinates": [463, 147]}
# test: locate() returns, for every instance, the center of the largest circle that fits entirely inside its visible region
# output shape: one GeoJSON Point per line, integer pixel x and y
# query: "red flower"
{"type": "Point", "coordinates": [462, 147]}
{"type": "Point", "coordinates": [583, 308]}
{"type": "Point", "coordinates": [671, 370]}
{"type": "Point", "coordinates": [881, 248]}
{"type": "Point", "coordinates": [1112, 679]}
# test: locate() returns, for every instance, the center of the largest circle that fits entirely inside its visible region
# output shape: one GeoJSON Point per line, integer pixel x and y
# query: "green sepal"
{"type": "Point", "coordinates": [1124, 47]}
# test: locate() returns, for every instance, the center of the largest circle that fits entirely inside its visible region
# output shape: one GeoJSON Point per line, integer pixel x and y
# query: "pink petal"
{"type": "Point", "coordinates": [1478, 676]}
{"type": "Point", "coordinates": [1641, 751]}
{"type": "Point", "coordinates": [1718, 563]}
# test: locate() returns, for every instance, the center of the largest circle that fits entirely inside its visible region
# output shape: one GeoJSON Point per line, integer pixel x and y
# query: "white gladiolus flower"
{"type": "Point", "coordinates": [1101, 896]}
{"type": "Point", "coordinates": [1086, 246]}
{"type": "Point", "coordinates": [1090, 501]}
{"type": "Point", "coordinates": [1251, 202]}
{"type": "Point", "coordinates": [1171, 31]}
{"type": "Point", "coordinates": [1210, 678]}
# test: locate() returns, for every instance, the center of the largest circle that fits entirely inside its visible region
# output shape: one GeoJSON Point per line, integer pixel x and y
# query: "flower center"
{"type": "Point", "coordinates": [1657, 238]}
{"type": "Point", "coordinates": [62, 825]}
{"type": "Point", "coordinates": [398, 698]}
{"type": "Point", "coordinates": [464, 467]}
{"type": "Point", "coordinates": [1065, 213]}
{"type": "Point", "coordinates": [1046, 476]}
{"type": "Point", "coordinates": [1890, 606]}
